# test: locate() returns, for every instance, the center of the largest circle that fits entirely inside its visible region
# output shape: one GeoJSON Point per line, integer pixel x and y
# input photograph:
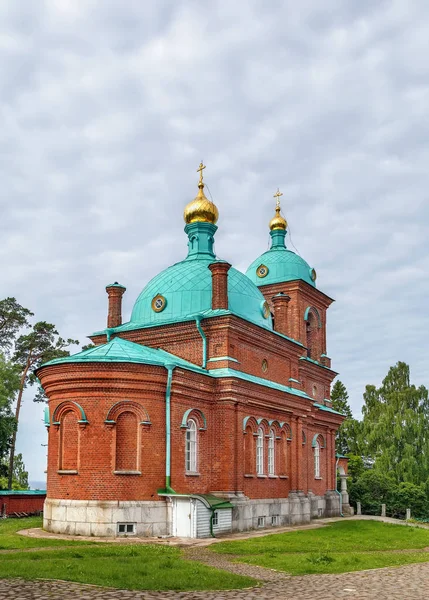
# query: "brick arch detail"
{"type": "Point", "coordinates": [264, 423]}
{"type": "Point", "coordinates": [318, 437]}
{"type": "Point", "coordinates": [67, 406]}
{"type": "Point", "coordinates": [197, 415]}
{"type": "Point", "coordinates": [127, 406]}
{"type": "Point", "coordinates": [250, 422]}
{"type": "Point", "coordinates": [287, 428]}
{"type": "Point", "coordinates": [315, 312]}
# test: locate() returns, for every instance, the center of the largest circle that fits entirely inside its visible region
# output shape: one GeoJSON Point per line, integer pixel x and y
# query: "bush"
{"type": "Point", "coordinates": [373, 489]}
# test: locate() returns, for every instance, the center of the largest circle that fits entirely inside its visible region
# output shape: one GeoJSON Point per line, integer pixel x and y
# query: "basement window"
{"type": "Point", "coordinates": [127, 528]}
{"type": "Point", "coordinates": [261, 521]}
{"type": "Point", "coordinates": [275, 520]}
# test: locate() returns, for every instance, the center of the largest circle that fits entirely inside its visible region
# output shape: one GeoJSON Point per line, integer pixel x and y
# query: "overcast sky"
{"type": "Point", "coordinates": [107, 108]}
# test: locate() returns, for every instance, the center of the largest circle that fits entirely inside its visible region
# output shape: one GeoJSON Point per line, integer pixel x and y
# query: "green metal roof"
{"type": "Point", "coordinates": [22, 492]}
{"type": "Point", "coordinates": [187, 289]}
{"type": "Point", "coordinates": [282, 264]}
{"type": "Point", "coordinates": [119, 350]}
{"type": "Point", "coordinates": [218, 373]}
{"type": "Point", "coordinates": [327, 409]}
{"type": "Point", "coordinates": [207, 314]}
{"type": "Point", "coordinates": [116, 284]}
{"type": "Point", "coordinates": [209, 500]}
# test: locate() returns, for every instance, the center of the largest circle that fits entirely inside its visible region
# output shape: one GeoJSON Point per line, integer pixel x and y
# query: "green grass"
{"type": "Point", "coordinates": [134, 567]}
{"type": "Point", "coordinates": [338, 548]}
{"type": "Point", "coordinates": [10, 540]}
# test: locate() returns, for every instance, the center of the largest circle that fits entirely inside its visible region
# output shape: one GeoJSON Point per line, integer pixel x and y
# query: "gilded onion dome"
{"type": "Point", "coordinates": [201, 209]}
{"type": "Point", "coordinates": [278, 222]}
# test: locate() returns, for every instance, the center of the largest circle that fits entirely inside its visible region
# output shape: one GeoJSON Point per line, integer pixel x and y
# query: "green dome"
{"type": "Point", "coordinates": [280, 264]}
{"type": "Point", "coordinates": [185, 289]}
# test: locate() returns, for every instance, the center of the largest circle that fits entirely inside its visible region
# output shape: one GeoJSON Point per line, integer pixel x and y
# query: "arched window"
{"type": "Point", "coordinates": [271, 453]}
{"type": "Point", "coordinates": [260, 452]}
{"type": "Point", "coordinates": [191, 450]}
{"type": "Point", "coordinates": [317, 458]}
{"type": "Point", "coordinates": [311, 330]}
{"type": "Point", "coordinates": [126, 442]}
{"type": "Point", "coordinates": [249, 451]}
{"type": "Point", "coordinates": [69, 441]}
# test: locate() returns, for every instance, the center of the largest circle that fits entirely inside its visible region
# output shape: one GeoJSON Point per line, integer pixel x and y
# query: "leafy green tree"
{"type": "Point", "coordinates": [20, 475]}
{"type": "Point", "coordinates": [396, 425]}
{"type": "Point", "coordinates": [32, 349]}
{"type": "Point", "coordinates": [13, 317]}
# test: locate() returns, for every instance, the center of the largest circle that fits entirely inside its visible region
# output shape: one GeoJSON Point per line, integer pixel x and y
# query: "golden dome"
{"type": "Point", "coordinates": [278, 222]}
{"type": "Point", "coordinates": [201, 209]}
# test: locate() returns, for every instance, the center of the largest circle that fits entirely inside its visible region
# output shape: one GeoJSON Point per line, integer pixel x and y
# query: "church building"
{"type": "Point", "coordinates": [208, 411]}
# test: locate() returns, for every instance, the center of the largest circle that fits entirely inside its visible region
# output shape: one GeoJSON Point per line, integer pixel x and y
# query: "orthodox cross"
{"type": "Point", "coordinates": [277, 196]}
{"type": "Point", "coordinates": [200, 171]}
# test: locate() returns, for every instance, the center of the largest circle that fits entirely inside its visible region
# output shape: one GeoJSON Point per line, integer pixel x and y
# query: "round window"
{"type": "Point", "coordinates": [313, 274]}
{"type": "Point", "coordinates": [262, 271]}
{"type": "Point", "coordinates": [265, 307]}
{"type": "Point", "coordinates": [159, 303]}
{"type": "Point", "coordinates": [265, 365]}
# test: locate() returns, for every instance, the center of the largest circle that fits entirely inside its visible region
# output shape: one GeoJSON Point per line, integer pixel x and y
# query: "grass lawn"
{"type": "Point", "coordinates": [337, 548]}
{"type": "Point", "coordinates": [9, 539]}
{"type": "Point", "coordinates": [135, 567]}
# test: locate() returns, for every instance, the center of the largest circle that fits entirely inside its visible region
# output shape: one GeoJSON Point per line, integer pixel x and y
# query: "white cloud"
{"type": "Point", "coordinates": [108, 107]}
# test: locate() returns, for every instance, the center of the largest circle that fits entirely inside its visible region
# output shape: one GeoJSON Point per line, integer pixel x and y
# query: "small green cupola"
{"type": "Point", "coordinates": [279, 264]}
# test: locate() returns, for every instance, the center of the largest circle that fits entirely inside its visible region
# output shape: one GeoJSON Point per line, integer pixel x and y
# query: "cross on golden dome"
{"type": "Point", "coordinates": [200, 171]}
{"type": "Point", "coordinates": [278, 222]}
{"type": "Point", "coordinates": [201, 209]}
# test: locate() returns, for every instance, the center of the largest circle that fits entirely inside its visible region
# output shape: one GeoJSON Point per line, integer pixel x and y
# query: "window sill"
{"type": "Point", "coordinates": [283, 477]}
{"type": "Point", "coordinates": [67, 472]}
{"type": "Point", "coordinates": [127, 472]}
{"type": "Point", "coordinates": [249, 476]}
{"type": "Point", "coordinates": [261, 476]}
{"type": "Point", "coordinates": [273, 476]}
{"type": "Point", "coordinates": [319, 478]}
{"type": "Point", "coordinates": [191, 474]}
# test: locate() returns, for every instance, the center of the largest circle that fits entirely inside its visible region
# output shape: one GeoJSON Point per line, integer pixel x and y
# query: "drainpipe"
{"type": "Point", "coordinates": [336, 482]}
{"type": "Point", "coordinates": [168, 487]}
{"type": "Point", "coordinates": [198, 319]}
{"type": "Point", "coordinates": [211, 522]}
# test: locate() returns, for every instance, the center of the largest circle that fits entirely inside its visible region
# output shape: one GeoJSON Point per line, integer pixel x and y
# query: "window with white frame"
{"type": "Point", "coordinates": [260, 452]}
{"type": "Point", "coordinates": [271, 453]}
{"type": "Point", "coordinates": [191, 446]}
{"type": "Point", "coordinates": [317, 459]}
{"type": "Point", "coordinates": [215, 518]}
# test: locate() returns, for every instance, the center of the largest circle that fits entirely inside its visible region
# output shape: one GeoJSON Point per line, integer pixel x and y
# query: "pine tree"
{"type": "Point", "coordinates": [347, 435]}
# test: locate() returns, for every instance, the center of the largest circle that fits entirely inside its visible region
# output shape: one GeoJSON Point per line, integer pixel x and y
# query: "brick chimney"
{"type": "Point", "coordinates": [115, 291]}
{"type": "Point", "coordinates": [219, 284]}
{"type": "Point", "coordinates": [280, 304]}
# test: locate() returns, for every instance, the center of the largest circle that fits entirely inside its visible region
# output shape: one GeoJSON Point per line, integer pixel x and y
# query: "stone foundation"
{"type": "Point", "coordinates": [296, 509]}
{"type": "Point", "coordinates": [152, 519]}
{"type": "Point", "coordinates": [100, 518]}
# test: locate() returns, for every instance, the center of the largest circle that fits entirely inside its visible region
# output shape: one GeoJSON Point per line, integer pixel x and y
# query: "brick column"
{"type": "Point", "coordinates": [115, 291]}
{"type": "Point", "coordinates": [301, 484]}
{"type": "Point", "coordinates": [280, 305]}
{"type": "Point", "coordinates": [219, 284]}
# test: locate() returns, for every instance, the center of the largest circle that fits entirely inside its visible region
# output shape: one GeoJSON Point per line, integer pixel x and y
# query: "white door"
{"type": "Point", "coordinates": [183, 513]}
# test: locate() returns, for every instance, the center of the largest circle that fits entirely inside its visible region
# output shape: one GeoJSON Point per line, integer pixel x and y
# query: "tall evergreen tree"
{"type": "Point", "coordinates": [13, 317]}
{"type": "Point", "coordinates": [396, 426]}
{"type": "Point", "coordinates": [347, 438]}
{"type": "Point", "coordinates": [9, 386]}
{"type": "Point", "coordinates": [40, 345]}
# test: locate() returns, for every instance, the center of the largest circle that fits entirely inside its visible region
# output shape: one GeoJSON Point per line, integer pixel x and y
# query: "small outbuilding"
{"type": "Point", "coordinates": [21, 503]}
